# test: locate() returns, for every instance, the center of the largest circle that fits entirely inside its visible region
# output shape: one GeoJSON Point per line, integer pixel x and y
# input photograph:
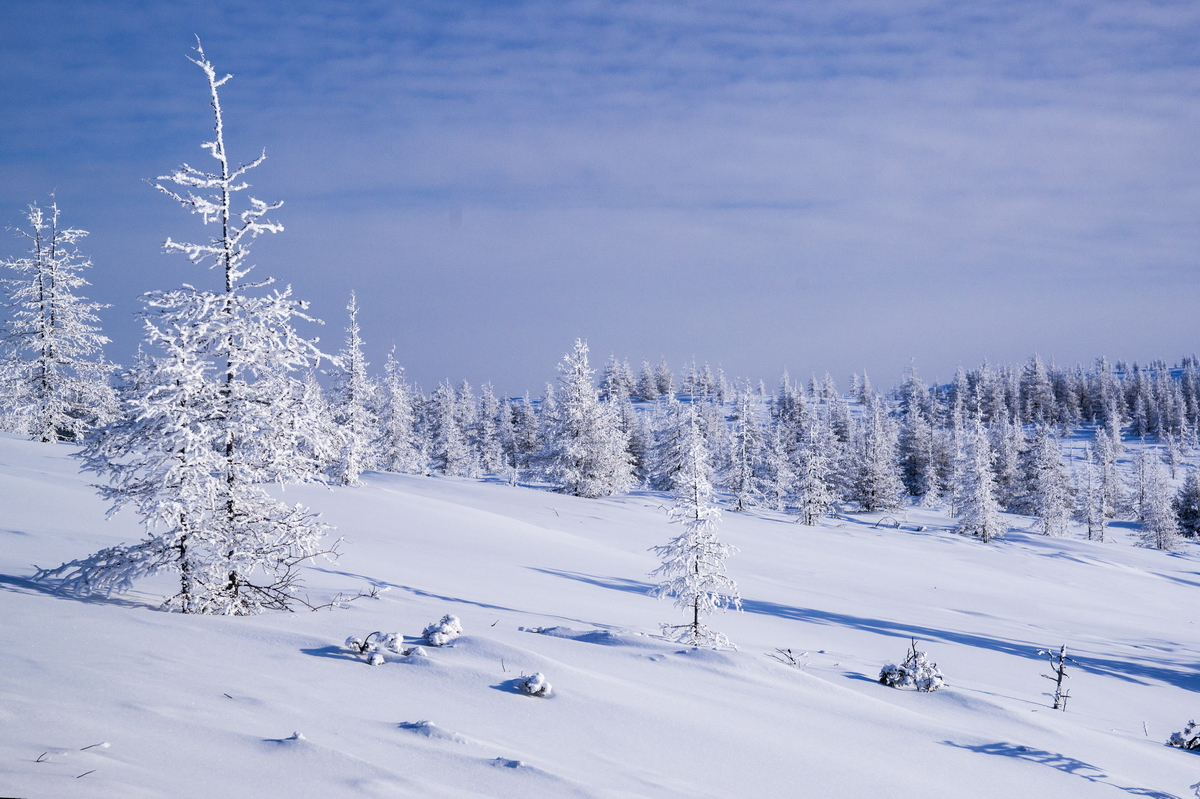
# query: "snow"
{"type": "Point", "coordinates": [117, 698]}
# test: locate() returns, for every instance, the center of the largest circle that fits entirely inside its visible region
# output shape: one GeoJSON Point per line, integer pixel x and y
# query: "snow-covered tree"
{"type": "Point", "coordinates": [877, 484]}
{"type": "Point", "coordinates": [585, 451]}
{"type": "Point", "coordinates": [449, 448]}
{"type": "Point", "coordinates": [1047, 489]}
{"type": "Point", "coordinates": [1160, 527]}
{"type": "Point", "coordinates": [487, 425]}
{"type": "Point", "coordinates": [355, 398]}
{"type": "Point", "coordinates": [975, 502]}
{"type": "Point", "coordinates": [1187, 504]}
{"type": "Point", "coordinates": [399, 446]}
{"type": "Point", "coordinates": [182, 454]}
{"type": "Point", "coordinates": [693, 565]}
{"type": "Point", "coordinates": [55, 386]}
{"type": "Point", "coordinates": [745, 448]}
{"type": "Point", "coordinates": [814, 490]}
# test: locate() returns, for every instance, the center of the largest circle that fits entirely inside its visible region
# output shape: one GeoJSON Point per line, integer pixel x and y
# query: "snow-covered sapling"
{"type": "Point", "coordinates": [1188, 739]}
{"type": "Point", "coordinates": [534, 685]}
{"type": "Point", "coordinates": [916, 671]}
{"type": "Point", "coordinates": [1058, 664]}
{"type": "Point", "coordinates": [370, 648]}
{"type": "Point", "coordinates": [443, 632]}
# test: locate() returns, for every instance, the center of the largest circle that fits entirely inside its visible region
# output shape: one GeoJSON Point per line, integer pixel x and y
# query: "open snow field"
{"type": "Point", "coordinates": [190, 706]}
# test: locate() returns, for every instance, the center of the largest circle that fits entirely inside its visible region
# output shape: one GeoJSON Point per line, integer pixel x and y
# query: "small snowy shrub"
{"type": "Point", "coordinates": [915, 672]}
{"type": "Point", "coordinates": [1188, 739]}
{"type": "Point", "coordinates": [444, 631]}
{"type": "Point", "coordinates": [371, 647]}
{"type": "Point", "coordinates": [534, 685]}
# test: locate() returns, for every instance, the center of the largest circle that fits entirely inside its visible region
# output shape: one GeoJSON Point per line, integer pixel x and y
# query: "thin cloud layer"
{"type": "Point", "coordinates": [774, 184]}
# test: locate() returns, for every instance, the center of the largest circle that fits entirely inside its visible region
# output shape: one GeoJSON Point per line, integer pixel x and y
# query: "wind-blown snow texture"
{"type": "Point", "coordinates": [200, 706]}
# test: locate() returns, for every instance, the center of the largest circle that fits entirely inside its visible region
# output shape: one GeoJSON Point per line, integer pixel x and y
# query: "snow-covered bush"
{"type": "Point", "coordinates": [534, 685]}
{"type": "Point", "coordinates": [915, 672]}
{"type": "Point", "coordinates": [443, 632]}
{"type": "Point", "coordinates": [1188, 739]}
{"type": "Point", "coordinates": [371, 647]}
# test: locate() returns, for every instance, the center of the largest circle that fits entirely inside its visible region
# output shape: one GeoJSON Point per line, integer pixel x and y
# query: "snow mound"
{"type": "Point", "coordinates": [443, 632]}
{"type": "Point", "coordinates": [431, 730]}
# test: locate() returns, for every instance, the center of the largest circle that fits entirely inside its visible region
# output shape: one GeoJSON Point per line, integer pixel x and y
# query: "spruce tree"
{"type": "Point", "coordinates": [585, 452]}
{"type": "Point", "coordinates": [55, 386]}
{"type": "Point", "coordinates": [1047, 490]}
{"type": "Point", "coordinates": [975, 503]}
{"type": "Point", "coordinates": [400, 445]}
{"type": "Point", "coordinates": [1187, 504]}
{"type": "Point", "coordinates": [693, 566]}
{"type": "Point", "coordinates": [355, 400]}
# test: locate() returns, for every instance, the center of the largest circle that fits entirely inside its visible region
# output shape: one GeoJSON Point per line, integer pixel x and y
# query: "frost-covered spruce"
{"type": "Point", "coordinates": [693, 563]}
{"type": "Point", "coordinates": [877, 485]}
{"type": "Point", "coordinates": [745, 448]}
{"type": "Point", "coordinates": [975, 502]}
{"type": "Point", "coordinates": [400, 446]}
{"type": "Point", "coordinates": [187, 455]}
{"type": "Point", "coordinates": [1160, 528]}
{"type": "Point", "coordinates": [1047, 489]}
{"type": "Point", "coordinates": [355, 398]}
{"type": "Point", "coordinates": [534, 685]}
{"type": "Point", "coordinates": [1187, 504]}
{"type": "Point", "coordinates": [55, 386]}
{"type": "Point", "coordinates": [814, 489]}
{"type": "Point", "coordinates": [585, 452]}
{"type": "Point", "coordinates": [443, 631]}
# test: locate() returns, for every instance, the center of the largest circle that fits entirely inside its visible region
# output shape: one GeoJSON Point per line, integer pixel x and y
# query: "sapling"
{"type": "Point", "coordinates": [1188, 739]}
{"type": "Point", "coordinates": [443, 632]}
{"type": "Point", "coordinates": [1058, 664]}
{"type": "Point", "coordinates": [916, 671]}
{"type": "Point", "coordinates": [534, 685]}
{"type": "Point", "coordinates": [370, 647]}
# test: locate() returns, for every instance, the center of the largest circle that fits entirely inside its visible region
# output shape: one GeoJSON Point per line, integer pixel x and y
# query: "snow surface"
{"type": "Point", "coordinates": [118, 699]}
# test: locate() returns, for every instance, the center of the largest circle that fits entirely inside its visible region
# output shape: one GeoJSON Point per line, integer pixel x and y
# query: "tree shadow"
{"type": "Point", "coordinates": [332, 652]}
{"type": "Point", "coordinates": [1059, 762]}
{"type": "Point", "coordinates": [27, 585]}
{"type": "Point", "coordinates": [1139, 672]}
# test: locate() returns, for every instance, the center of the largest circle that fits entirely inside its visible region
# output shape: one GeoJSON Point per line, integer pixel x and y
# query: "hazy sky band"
{"type": "Point", "coordinates": [761, 185]}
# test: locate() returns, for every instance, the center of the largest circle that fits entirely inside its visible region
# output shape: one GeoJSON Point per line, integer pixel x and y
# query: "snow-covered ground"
{"type": "Point", "coordinates": [187, 706]}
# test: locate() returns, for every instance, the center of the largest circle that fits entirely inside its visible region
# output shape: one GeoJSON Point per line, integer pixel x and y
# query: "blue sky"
{"type": "Point", "coordinates": [763, 185]}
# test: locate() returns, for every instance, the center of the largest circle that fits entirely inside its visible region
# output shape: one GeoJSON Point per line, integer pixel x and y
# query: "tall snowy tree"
{"type": "Point", "coordinates": [355, 401]}
{"type": "Point", "coordinates": [181, 456]}
{"type": "Point", "coordinates": [585, 452]}
{"type": "Point", "coordinates": [877, 484]}
{"type": "Point", "coordinates": [400, 445]}
{"type": "Point", "coordinates": [1047, 489]}
{"type": "Point", "coordinates": [814, 490]}
{"type": "Point", "coordinates": [1187, 504]}
{"type": "Point", "coordinates": [1160, 526]}
{"type": "Point", "coordinates": [56, 384]}
{"type": "Point", "coordinates": [693, 565]}
{"type": "Point", "coordinates": [745, 448]}
{"type": "Point", "coordinates": [975, 503]}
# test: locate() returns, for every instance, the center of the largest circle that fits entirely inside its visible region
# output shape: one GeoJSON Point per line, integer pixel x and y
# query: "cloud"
{"type": "Point", "coordinates": [764, 184]}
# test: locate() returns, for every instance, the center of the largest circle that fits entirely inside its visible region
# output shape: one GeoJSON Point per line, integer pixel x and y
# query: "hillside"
{"type": "Point", "coordinates": [189, 706]}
